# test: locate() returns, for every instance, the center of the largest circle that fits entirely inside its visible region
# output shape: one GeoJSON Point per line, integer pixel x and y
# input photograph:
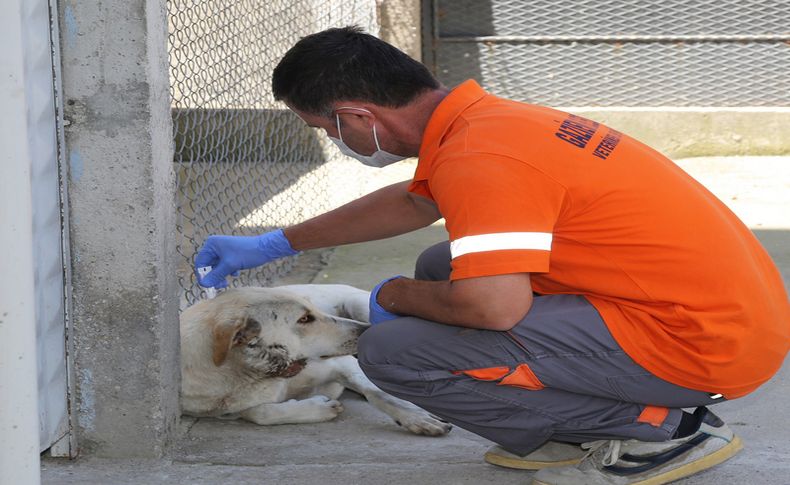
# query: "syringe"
{"type": "Point", "coordinates": [202, 272]}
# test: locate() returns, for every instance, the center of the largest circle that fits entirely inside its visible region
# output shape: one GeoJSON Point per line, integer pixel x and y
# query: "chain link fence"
{"type": "Point", "coordinates": [244, 163]}
{"type": "Point", "coordinates": [625, 53]}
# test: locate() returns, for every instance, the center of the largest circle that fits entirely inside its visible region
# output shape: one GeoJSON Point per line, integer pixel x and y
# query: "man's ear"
{"type": "Point", "coordinates": [237, 332]}
{"type": "Point", "coordinates": [363, 113]}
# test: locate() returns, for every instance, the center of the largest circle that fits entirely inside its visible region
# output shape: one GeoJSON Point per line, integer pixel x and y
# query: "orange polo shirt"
{"type": "Point", "coordinates": [683, 285]}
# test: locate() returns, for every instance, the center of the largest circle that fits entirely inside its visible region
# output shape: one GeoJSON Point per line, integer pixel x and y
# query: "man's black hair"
{"type": "Point", "coordinates": [343, 64]}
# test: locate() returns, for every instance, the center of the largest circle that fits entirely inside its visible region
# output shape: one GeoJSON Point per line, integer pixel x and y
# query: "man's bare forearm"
{"type": "Point", "coordinates": [387, 212]}
{"type": "Point", "coordinates": [492, 303]}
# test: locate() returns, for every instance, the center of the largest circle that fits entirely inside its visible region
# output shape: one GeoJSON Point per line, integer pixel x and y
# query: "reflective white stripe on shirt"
{"type": "Point", "coordinates": [500, 241]}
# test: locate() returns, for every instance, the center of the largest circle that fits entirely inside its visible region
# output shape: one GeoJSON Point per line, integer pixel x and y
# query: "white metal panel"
{"type": "Point", "coordinates": [22, 59]}
{"type": "Point", "coordinates": [47, 252]}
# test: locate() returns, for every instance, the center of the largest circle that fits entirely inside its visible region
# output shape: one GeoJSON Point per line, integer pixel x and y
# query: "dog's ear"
{"type": "Point", "coordinates": [237, 332]}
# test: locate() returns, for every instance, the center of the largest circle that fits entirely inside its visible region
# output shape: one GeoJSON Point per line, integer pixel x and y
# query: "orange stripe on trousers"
{"type": "Point", "coordinates": [653, 415]}
{"type": "Point", "coordinates": [485, 374]}
{"type": "Point", "coordinates": [523, 377]}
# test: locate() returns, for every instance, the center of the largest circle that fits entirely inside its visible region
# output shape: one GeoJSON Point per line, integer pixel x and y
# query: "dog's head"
{"type": "Point", "coordinates": [273, 332]}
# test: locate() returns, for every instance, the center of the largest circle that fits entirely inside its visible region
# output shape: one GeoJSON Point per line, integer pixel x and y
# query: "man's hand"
{"type": "Point", "coordinates": [229, 254]}
{"type": "Point", "coordinates": [377, 313]}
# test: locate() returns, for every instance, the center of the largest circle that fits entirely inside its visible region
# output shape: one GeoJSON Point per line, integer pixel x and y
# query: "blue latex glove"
{"type": "Point", "coordinates": [229, 254]}
{"type": "Point", "coordinates": [377, 313]}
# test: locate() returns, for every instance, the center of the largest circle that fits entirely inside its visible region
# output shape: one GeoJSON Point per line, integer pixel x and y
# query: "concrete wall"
{"type": "Point", "coordinates": [119, 155]}
{"type": "Point", "coordinates": [701, 132]}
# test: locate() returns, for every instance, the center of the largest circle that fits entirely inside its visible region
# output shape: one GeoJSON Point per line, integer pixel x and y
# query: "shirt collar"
{"type": "Point", "coordinates": [451, 107]}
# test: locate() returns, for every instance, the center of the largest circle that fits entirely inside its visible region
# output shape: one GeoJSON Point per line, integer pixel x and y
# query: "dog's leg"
{"type": "Point", "coordinates": [313, 410]}
{"type": "Point", "coordinates": [339, 300]}
{"type": "Point", "coordinates": [405, 414]}
{"type": "Point", "coordinates": [355, 305]}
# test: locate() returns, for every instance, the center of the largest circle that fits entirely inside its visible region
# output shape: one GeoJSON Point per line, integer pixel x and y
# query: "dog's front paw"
{"type": "Point", "coordinates": [423, 423]}
{"type": "Point", "coordinates": [313, 410]}
{"type": "Point", "coordinates": [322, 408]}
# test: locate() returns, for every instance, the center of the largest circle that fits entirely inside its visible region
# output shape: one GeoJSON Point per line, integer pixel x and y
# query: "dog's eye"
{"type": "Point", "coordinates": [306, 318]}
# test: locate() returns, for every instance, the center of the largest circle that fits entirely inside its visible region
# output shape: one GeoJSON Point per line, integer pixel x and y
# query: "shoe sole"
{"type": "Point", "coordinates": [518, 464]}
{"type": "Point", "coordinates": [723, 454]}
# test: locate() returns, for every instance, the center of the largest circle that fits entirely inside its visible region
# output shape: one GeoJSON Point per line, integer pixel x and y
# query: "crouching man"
{"type": "Point", "coordinates": [589, 290]}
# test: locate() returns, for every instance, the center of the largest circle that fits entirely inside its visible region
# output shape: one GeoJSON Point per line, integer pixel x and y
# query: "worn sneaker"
{"type": "Point", "coordinates": [640, 462]}
{"type": "Point", "coordinates": [552, 453]}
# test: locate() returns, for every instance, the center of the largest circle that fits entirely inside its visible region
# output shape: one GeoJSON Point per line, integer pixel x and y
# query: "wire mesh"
{"type": "Point", "coordinates": [245, 164]}
{"type": "Point", "coordinates": [629, 53]}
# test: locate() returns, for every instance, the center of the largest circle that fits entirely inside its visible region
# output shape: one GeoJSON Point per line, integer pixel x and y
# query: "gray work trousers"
{"type": "Point", "coordinates": [557, 375]}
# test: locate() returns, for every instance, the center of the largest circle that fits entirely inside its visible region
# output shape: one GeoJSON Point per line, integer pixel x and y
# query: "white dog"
{"type": "Point", "coordinates": [282, 355]}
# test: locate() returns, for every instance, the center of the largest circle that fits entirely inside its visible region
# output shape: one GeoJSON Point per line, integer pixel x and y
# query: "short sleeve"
{"type": "Point", "coordinates": [500, 214]}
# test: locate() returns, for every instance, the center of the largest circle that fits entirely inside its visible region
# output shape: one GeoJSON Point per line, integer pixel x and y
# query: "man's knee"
{"type": "Point", "coordinates": [384, 356]}
{"type": "Point", "coordinates": [378, 361]}
{"type": "Point", "coordinates": [390, 342]}
{"type": "Point", "coordinates": [371, 346]}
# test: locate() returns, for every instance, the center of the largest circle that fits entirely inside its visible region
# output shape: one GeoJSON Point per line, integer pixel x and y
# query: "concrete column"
{"type": "Point", "coordinates": [121, 212]}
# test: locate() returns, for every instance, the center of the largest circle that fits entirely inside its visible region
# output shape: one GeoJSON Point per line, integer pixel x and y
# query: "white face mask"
{"type": "Point", "coordinates": [379, 158]}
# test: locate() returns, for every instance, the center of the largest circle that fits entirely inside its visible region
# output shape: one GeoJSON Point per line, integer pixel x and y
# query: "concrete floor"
{"type": "Point", "coordinates": [363, 446]}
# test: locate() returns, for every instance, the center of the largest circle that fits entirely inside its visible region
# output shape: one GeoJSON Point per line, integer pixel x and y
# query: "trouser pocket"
{"type": "Point", "coordinates": [519, 376]}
